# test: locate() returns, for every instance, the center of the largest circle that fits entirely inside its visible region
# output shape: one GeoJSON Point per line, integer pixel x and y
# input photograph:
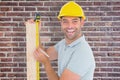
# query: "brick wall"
{"type": "Point", "coordinates": [102, 30]}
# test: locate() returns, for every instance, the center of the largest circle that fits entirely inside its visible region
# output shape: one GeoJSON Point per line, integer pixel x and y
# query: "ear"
{"type": "Point", "coordinates": [82, 23]}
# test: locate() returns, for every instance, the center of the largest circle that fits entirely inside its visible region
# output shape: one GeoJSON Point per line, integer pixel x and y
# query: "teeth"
{"type": "Point", "coordinates": [70, 30]}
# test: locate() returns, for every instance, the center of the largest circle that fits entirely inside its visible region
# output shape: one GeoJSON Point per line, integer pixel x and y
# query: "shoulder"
{"type": "Point", "coordinates": [59, 44]}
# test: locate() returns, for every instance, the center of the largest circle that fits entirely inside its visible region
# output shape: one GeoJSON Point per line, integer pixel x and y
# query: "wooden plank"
{"type": "Point", "coordinates": [30, 47]}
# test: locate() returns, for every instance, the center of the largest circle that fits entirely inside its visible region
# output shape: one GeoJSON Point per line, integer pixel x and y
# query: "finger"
{"type": "Point", "coordinates": [36, 55]}
{"type": "Point", "coordinates": [31, 20]}
{"type": "Point", "coordinates": [38, 52]}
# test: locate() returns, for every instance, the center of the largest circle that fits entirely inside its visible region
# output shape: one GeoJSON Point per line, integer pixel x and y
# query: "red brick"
{"type": "Point", "coordinates": [17, 39]}
{"type": "Point", "coordinates": [106, 18]}
{"type": "Point", "coordinates": [55, 39]}
{"type": "Point", "coordinates": [100, 54]}
{"type": "Point", "coordinates": [5, 9]}
{"type": "Point", "coordinates": [116, 18]}
{"type": "Point", "coordinates": [51, 24]}
{"type": "Point", "coordinates": [8, 4]}
{"type": "Point", "coordinates": [5, 19]}
{"type": "Point", "coordinates": [91, 8]}
{"type": "Point", "coordinates": [98, 3]}
{"type": "Point", "coordinates": [18, 9]}
{"type": "Point", "coordinates": [94, 19]}
{"type": "Point", "coordinates": [5, 69]}
{"type": "Point", "coordinates": [1, 34]}
{"type": "Point", "coordinates": [114, 54]}
{"type": "Point", "coordinates": [116, 59]}
{"type": "Point", "coordinates": [105, 49]}
{"type": "Point", "coordinates": [17, 19]}
{"type": "Point", "coordinates": [42, 9]}
{"type": "Point", "coordinates": [2, 13]}
{"type": "Point", "coordinates": [14, 34]}
{"type": "Point", "coordinates": [100, 44]}
{"type": "Point", "coordinates": [16, 75]}
{"type": "Point", "coordinates": [55, 8]}
{"type": "Point", "coordinates": [116, 3]}
{"type": "Point", "coordinates": [106, 69]}
{"type": "Point", "coordinates": [100, 75]}
{"type": "Point", "coordinates": [8, 24]}
{"type": "Point", "coordinates": [22, 44]}
{"type": "Point", "coordinates": [5, 49]}
{"type": "Point", "coordinates": [30, 9]}
{"type": "Point", "coordinates": [2, 54]}
{"type": "Point", "coordinates": [95, 14]}
{"type": "Point", "coordinates": [18, 49]}
{"type": "Point", "coordinates": [116, 69]}
{"type": "Point", "coordinates": [85, 3]}
{"type": "Point", "coordinates": [8, 44]}
{"type": "Point", "coordinates": [116, 49]}
{"type": "Point", "coordinates": [113, 74]}
{"type": "Point", "coordinates": [115, 24]}
{"type": "Point", "coordinates": [18, 60]}
{"type": "Point", "coordinates": [22, 64]}
{"type": "Point", "coordinates": [2, 75]}
{"type": "Point", "coordinates": [116, 8]}
{"type": "Point", "coordinates": [55, 29]}
{"type": "Point", "coordinates": [105, 8]}
{"type": "Point", "coordinates": [53, 4]}
{"type": "Point", "coordinates": [18, 29]}
{"type": "Point", "coordinates": [30, 3]}
{"type": "Point", "coordinates": [21, 54]}
{"type": "Point", "coordinates": [99, 24]}
{"type": "Point", "coordinates": [18, 69]}
{"type": "Point", "coordinates": [89, 29]}
{"type": "Point", "coordinates": [113, 13]}
{"type": "Point", "coordinates": [8, 64]}
{"type": "Point", "coordinates": [88, 24]}
{"type": "Point", "coordinates": [6, 59]}
{"type": "Point", "coordinates": [18, 14]}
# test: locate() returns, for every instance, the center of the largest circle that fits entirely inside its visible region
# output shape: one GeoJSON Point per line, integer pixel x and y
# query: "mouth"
{"type": "Point", "coordinates": [70, 31]}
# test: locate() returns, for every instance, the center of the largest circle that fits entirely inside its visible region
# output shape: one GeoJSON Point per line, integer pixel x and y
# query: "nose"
{"type": "Point", "coordinates": [70, 25]}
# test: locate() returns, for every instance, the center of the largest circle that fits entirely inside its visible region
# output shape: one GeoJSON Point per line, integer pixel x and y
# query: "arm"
{"type": "Point", "coordinates": [46, 62]}
{"type": "Point", "coordinates": [66, 75]}
{"type": "Point", "coordinates": [69, 75]}
{"type": "Point", "coordinates": [52, 53]}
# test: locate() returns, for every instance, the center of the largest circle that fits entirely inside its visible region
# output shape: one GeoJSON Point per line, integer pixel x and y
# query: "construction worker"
{"type": "Point", "coordinates": [75, 57]}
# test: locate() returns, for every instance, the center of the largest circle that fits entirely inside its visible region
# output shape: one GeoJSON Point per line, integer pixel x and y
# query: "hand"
{"type": "Point", "coordinates": [40, 56]}
{"type": "Point", "coordinates": [30, 21]}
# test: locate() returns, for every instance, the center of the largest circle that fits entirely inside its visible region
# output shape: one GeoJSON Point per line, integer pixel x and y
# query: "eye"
{"type": "Point", "coordinates": [64, 21]}
{"type": "Point", "coordinates": [75, 21]}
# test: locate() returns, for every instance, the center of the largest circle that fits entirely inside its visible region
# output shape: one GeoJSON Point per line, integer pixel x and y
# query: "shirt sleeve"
{"type": "Point", "coordinates": [81, 60]}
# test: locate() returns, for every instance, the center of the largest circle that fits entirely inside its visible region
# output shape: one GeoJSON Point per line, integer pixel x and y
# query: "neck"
{"type": "Point", "coordinates": [69, 41]}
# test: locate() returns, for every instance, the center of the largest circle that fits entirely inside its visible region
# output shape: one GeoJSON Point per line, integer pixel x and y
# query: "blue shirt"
{"type": "Point", "coordinates": [77, 57]}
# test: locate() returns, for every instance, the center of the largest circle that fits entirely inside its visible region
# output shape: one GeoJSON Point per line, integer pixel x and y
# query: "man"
{"type": "Point", "coordinates": [75, 57]}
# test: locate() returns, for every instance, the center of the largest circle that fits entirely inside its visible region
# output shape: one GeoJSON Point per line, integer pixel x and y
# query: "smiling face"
{"type": "Point", "coordinates": [71, 27]}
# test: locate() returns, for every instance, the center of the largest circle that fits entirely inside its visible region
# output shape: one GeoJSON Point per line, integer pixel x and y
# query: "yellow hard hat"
{"type": "Point", "coordinates": [71, 9]}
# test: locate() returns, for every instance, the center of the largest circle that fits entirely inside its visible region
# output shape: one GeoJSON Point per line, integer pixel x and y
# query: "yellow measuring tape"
{"type": "Point", "coordinates": [37, 21]}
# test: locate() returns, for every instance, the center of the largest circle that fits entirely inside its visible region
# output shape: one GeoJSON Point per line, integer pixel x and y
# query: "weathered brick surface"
{"type": "Point", "coordinates": [102, 30]}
